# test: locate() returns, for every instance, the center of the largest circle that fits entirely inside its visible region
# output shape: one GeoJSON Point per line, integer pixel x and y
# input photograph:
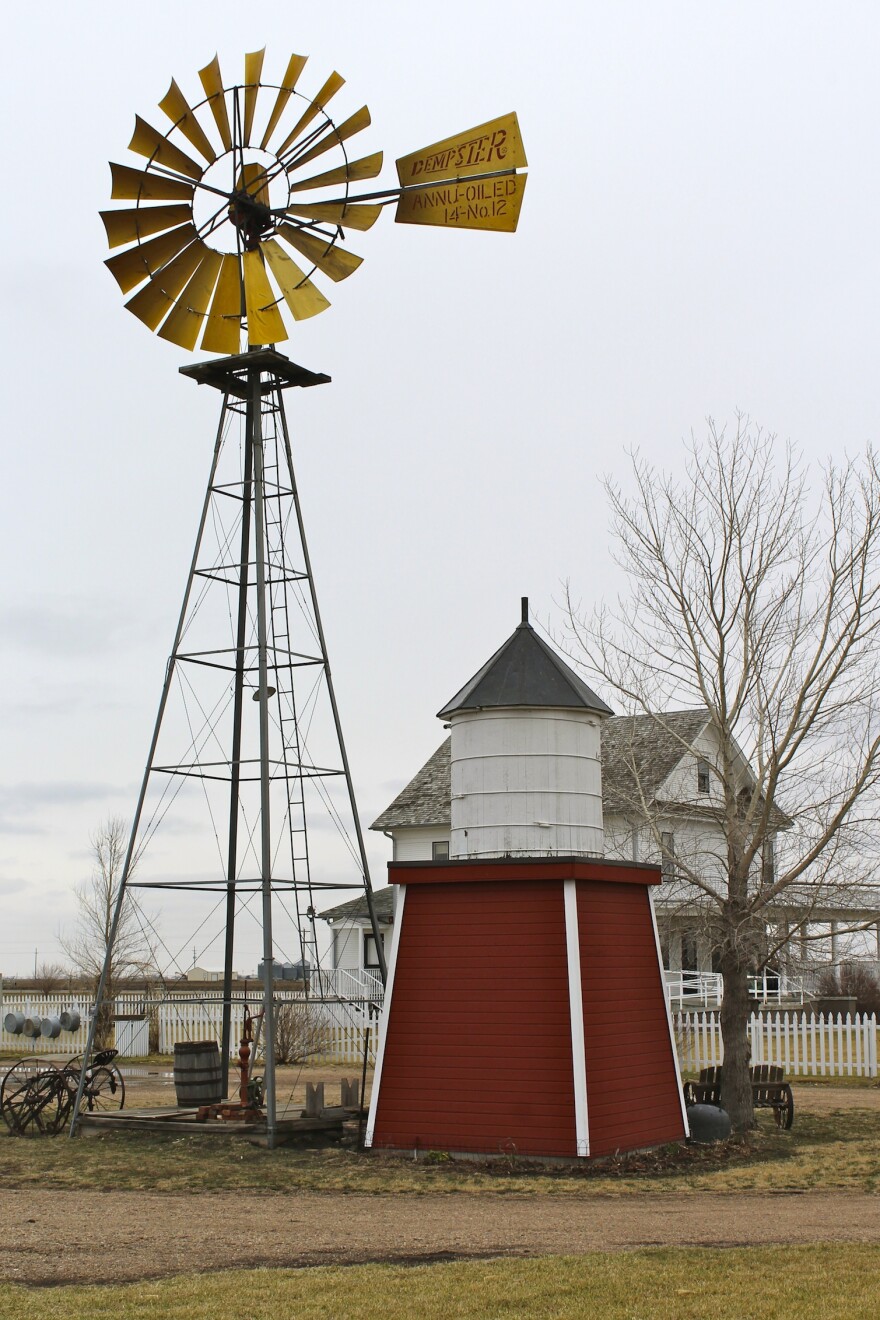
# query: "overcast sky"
{"type": "Point", "coordinates": [699, 235]}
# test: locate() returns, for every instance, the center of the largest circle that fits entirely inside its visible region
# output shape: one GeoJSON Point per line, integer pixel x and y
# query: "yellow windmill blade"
{"type": "Point", "coordinates": [330, 88]}
{"type": "Point", "coordinates": [152, 303]}
{"type": "Point", "coordinates": [212, 81]}
{"type": "Point", "coordinates": [148, 141]}
{"type": "Point", "coordinates": [223, 326]}
{"type": "Point", "coordinates": [187, 318]}
{"type": "Point", "coordinates": [176, 107]}
{"type": "Point", "coordinates": [368, 167]}
{"type": "Point", "coordinates": [350, 215]}
{"type": "Point", "coordinates": [295, 66]}
{"type": "Point", "coordinates": [253, 67]}
{"type": "Point", "coordinates": [264, 322]}
{"type": "Point", "coordinates": [301, 296]}
{"type": "Point", "coordinates": [324, 253]}
{"type": "Point", "coordinates": [140, 221]}
{"type": "Point", "coordinates": [131, 185]}
{"type": "Point", "coordinates": [131, 268]}
{"type": "Point", "coordinates": [337, 133]}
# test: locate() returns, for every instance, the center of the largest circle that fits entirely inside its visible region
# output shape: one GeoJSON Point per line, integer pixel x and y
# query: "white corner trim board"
{"type": "Point", "coordinates": [576, 1014]}
{"type": "Point", "coordinates": [386, 1009]}
{"type": "Point", "coordinates": [672, 1046]}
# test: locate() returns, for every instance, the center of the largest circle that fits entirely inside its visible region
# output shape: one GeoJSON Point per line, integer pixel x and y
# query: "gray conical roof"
{"type": "Point", "coordinates": [525, 672]}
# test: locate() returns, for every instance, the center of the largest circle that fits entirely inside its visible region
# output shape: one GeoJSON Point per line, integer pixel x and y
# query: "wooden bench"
{"type": "Point", "coordinates": [770, 1090]}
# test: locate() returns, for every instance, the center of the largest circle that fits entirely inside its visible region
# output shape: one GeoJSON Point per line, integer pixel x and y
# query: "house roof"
{"type": "Point", "coordinates": [426, 799]}
{"type": "Point", "coordinates": [525, 671]}
{"type": "Point", "coordinates": [383, 902]}
{"type": "Point", "coordinates": [638, 753]}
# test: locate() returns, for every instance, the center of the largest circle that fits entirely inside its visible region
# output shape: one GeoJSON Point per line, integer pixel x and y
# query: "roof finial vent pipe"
{"type": "Point", "coordinates": [524, 600]}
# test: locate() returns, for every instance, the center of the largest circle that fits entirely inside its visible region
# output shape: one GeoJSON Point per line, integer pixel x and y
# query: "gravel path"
{"type": "Point", "coordinates": [55, 1237]}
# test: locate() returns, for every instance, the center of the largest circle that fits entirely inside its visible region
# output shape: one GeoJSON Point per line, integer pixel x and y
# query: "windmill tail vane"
{"type": "Point", "coordinates": [239, 235]}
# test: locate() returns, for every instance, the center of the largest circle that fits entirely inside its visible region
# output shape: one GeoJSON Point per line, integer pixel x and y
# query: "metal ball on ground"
{"type": "Point", "coordinates": [708, 1124]}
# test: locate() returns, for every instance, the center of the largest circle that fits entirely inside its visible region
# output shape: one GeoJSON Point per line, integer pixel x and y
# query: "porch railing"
{"type": "Point", "coordinates": [694, 989]}
{"type": "Point", "coordinates": [706, 989]}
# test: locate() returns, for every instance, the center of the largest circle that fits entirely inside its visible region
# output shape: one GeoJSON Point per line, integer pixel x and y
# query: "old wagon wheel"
{"type": "Point", "coordinates": [34, 1102]}
{"type": "Point", "coordinates": [14, 1088]}
{"type": "Point", "coordinates": [783, 1108]}
{"type": "Point", "coordinates": [104, 1089]}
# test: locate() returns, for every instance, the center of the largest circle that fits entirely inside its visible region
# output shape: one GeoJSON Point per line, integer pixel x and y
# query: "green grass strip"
{"type": "Point", "coordinates": [820, 1282]}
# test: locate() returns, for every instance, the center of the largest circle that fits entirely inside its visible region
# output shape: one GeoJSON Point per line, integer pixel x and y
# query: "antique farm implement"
{"type": "Point", "coordinates": [36, 1096]}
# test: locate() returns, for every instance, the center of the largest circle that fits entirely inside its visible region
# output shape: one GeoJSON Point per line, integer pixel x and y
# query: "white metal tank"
{"type": "Point", "coordinates": [526, 756]}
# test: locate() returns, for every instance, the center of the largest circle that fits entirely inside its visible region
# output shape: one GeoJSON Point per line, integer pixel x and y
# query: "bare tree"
{"type": "Point", "coordinates": [756, 598]}
{"type": "Point", "coordinates": [133, 952]}
{"type": "Point", "coordinates": [50, 976]}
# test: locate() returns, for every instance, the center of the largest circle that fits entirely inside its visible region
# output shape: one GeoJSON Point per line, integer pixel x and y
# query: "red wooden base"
{"type": "Point", "coordinates": [505, 997]}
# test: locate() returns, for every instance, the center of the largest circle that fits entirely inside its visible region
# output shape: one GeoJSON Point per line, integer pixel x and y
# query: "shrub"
{"type": "Point", "coordinates": [856, 981]}
{"type": "Point", "coordinates": [300, 1034]}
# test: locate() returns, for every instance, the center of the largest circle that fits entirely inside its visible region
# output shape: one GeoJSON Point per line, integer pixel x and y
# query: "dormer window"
{"type": "Point", "coordinates": [768, 862]}
{"type": "Point", "coordinates": [667, 856]}
{"type": "Point", "coordinates": [702, 776]}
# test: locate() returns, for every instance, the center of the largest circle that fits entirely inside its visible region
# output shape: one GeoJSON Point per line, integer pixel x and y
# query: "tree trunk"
{"type": "Point", "coordinates": [105, 1027]}
{"type": "Point", "coordinates": [736, 1088]}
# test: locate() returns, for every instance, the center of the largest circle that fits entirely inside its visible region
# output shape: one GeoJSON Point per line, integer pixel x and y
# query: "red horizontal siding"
{"type": "Point", "coordinates": [632, 1085]}
{"type": "Point", "coordinates": [478, 1048]}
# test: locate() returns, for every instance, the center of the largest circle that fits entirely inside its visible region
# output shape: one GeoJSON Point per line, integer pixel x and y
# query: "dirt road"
{"type": "Point", "coordinates": [52, 1237]}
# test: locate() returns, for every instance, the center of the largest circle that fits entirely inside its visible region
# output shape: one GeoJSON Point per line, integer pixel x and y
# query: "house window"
{"type": "Point", "coordinates": [667, 856]}
{"type": "Point", "coordinates": [440, 851]}
{"type": "Point", "coordinates": [768, 862]}
{"type": "Point", "coordinates": [702, 776]}
{"type": "Point", "coordinates": [371, 957]}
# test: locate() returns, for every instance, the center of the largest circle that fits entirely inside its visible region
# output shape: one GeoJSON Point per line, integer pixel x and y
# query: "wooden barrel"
{"type": "Point", "coordinates": [197, 1075]}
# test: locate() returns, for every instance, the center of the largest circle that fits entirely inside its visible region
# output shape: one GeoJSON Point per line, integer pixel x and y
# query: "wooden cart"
{"type": "Point", "coordinates": [770, 1090]}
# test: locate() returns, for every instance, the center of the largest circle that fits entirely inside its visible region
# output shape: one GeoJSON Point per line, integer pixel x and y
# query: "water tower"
{"type": "Point", "coordinates": [525, 1011]}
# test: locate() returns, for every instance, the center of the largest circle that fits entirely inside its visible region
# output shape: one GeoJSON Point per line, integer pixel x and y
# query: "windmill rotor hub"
{"type": "Point", "coordinates": [251, 218]}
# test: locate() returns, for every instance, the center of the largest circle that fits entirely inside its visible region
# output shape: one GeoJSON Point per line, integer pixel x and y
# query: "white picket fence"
{"type": "Point", "coordinates": [337, 1030]}
{"type": "Point", "coordinates": [804, 1045]}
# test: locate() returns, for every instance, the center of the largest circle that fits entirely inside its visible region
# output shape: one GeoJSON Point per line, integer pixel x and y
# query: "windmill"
{"type": "Point", "coordinates": [233, 219]}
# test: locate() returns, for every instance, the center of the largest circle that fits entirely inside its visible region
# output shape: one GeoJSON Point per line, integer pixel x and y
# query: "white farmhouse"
{"type": "Point", "coordinates": [640, 788]}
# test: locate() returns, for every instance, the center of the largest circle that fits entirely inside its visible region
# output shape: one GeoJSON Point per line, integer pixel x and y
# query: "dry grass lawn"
{"type": "Point", "coordinates": [834, 1145]}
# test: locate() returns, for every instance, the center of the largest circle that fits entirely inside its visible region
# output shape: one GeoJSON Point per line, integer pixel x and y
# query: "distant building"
{"type": "Point", "coordinates": [285, 971]}
{"type": "Point", "coordinates": [202, 974]}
